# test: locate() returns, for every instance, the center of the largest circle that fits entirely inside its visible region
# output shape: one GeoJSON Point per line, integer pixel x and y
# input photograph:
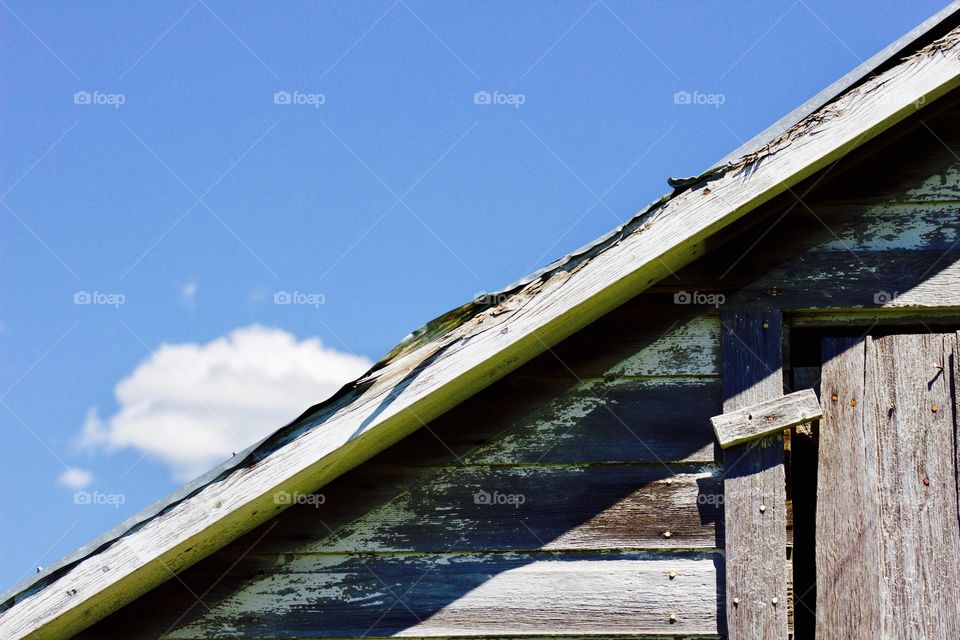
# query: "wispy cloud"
{"type": "Point", "coordinates": [74, 478]}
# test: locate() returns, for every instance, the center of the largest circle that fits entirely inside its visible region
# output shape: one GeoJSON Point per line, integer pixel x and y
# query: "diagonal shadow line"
{"type": "Point", "coordinates": [199, 599]}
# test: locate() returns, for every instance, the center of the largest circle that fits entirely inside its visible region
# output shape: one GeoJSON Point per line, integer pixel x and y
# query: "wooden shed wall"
{"type": "Point", "coordinates": [604, 442]}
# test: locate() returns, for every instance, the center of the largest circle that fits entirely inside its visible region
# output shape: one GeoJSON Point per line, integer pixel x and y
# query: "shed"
{"type": "Point", "coordinates": [734, 416]}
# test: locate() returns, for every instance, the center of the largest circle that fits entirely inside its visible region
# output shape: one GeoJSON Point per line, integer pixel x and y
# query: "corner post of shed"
{"type": "Point", "coordinates": [754, 481]}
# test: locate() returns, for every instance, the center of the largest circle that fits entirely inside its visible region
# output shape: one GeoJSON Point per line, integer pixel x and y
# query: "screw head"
{"type": "Point", "coordinates": [934, 408]}
{"type": "Point", "coordinates": [672, 618]}
{"type": "Point", "coordinates": [672, 575]}
{"type": "Point", "coordinates": [833, 397]}
{"type": "Point", "coordinates": [763, 508]}
{"type": "Point", "coordinates": [736, 602]}
{"type": "Point", "coordinates": [775, 601]}
{"type": "Point", "coordinates": [853, 403]}
{"type": "Point", "coordinates": [667, 534]}
{"type": "Point", "coordinates": [926, 482]}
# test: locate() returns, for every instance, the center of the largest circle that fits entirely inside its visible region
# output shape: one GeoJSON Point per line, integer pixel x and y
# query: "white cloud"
{"type": "Point", "coordinates": [74, 478]}
{"type": "Point", "coordinates": [188, 292]}
{"type": "Point", "coordinates": [192, 405]}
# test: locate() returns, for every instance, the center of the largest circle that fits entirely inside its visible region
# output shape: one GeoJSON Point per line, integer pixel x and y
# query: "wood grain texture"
{"type": "Point", "coordinates": [521, 508]}
{"type": "Point", "coordinates": [848, 542]}
{"type": "Point", "coordinates": [766, 417]}
{"type": "Point", "coordinates": [909, 402]}
{"type": "Point", "coordinates": [754, 484]}
{"type": "Point", "coordinates": [472, 594]}
{"type": "Point", "coordinates": [687, 349]}
{"type": "Point", "coordinates": [869, 279]}
{"type": "Point", "coordinates": [659, 420]}
{"type": "Point", "coordinates": [887, 524]}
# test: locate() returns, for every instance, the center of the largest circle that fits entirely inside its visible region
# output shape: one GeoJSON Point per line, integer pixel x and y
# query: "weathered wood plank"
{"type": "Point", "coordinates": [955, 365]}
{"type": "Point", "coordinates": [766, 417]}
{"type": "Point", "coordinates": [472, 594]}
{"type": "Point", "coordinates": [523, 508]}
{"type": "Point", "coordinates": [848, 545]}
{"type": "Point", "coordinates": [887, 525]}
{"type": "Point", "coordinates": [688, 349]}
{"type": "Point", "coordinates": [665, 420]}
{"type": "Point", "coordinates": [909, 402]}
{"type": "Point", "coordinates": [754, 485]}
{"type": "Point", "coordinates": [870, 279]}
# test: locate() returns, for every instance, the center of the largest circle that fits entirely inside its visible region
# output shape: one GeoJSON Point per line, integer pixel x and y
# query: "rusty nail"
{"type": "Point", "coordinates": [667, 534]}
{"type": "Point", "coordinates": [933, 408]}
{"type": "Point", "coordinates": [834, 398]}
{"type": "Point", "coordinates": [853, 403]}
{"type": "Point", "coordinates": [926, 482]}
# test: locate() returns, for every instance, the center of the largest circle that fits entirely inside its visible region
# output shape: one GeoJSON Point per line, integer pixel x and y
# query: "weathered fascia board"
{"type": "Point", "coordinates": [767, 417]}
{"type": "Point", "coordinates": [419, 385]}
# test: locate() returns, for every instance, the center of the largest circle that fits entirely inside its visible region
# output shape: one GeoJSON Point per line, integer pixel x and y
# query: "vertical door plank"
{"type": "Point", "coordinates": [888, 535]}
{"type": "Point", "coordinates": [756, 578]}
{"type": "Point", "coordinates": [848, 544]}
{"type": "Point", "coordinates": [908, 386]}
{"type": "Point", "coordinates": [955, 368]}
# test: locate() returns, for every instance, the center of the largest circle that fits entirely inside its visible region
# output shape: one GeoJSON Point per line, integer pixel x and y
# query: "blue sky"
{"type": "Point", "coordinates": [213, 213]}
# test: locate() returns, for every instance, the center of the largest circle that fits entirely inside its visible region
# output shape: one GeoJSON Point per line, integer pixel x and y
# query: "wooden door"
{"type": "Point", "coordinates": [888, 525]}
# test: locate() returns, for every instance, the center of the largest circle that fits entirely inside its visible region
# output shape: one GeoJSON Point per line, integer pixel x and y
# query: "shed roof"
{"type": "Point", "coordinates": [459, 353]}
